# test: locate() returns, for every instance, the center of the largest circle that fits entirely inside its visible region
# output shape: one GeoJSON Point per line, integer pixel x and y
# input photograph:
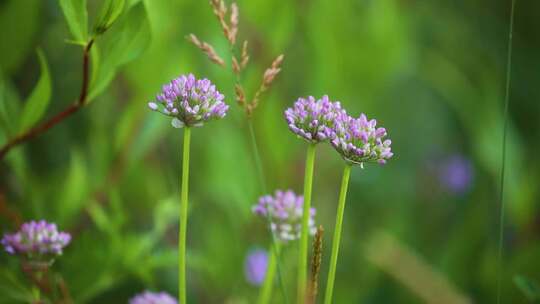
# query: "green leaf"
{"type": "Point", "coordinates": [121, 45]}
{"type": "Point", "coordinates": [77, 18]}
{"type": "Point", "coordinates": [36, 105]}
{"type": "Point", "coordinates": [529, 288]}
{"type": "Point", "coordinates": [110, 11]}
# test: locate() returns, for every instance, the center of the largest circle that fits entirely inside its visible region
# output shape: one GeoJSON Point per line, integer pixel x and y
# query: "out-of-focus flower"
{"type": "Point", "coordinates": [359, 141]}
{"type": "Point", "coordinates": [190, 101]}
{"type": "Point", "coordinates": [285, 212]}
{"type": "Point", "coordinates": [313, 120]}
{"type": "Point", "coordinates": [36, 239]}
{"type": "Point", "coordinates": [255, 266]}
{"type": "Point", "coordinates": [456, 174]}
{"type": "Point", "coordinates": [148, 297]}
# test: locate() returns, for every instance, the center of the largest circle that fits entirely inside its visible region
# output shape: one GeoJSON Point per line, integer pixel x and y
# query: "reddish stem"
{"type": "Point", "coordinates": [67, 112]}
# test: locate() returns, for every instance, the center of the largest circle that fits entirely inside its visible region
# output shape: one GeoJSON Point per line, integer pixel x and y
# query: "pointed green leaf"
{"type": "Point", "coordinates": [122, 44]}
{"type": "Point", "coordinates": [36, 105]}
{"type": "Point", "coordinates": [77, 18]}
{"type": "Point", "coordinates": [110, 11]}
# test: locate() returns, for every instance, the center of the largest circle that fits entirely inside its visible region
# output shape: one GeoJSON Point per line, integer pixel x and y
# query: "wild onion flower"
{"type": "Point", "coordinates": [360, 141]}
{"type": "Point", "coordinates": [312, 119]}
{"type": "Point", "coordinates": [255, 266]}
{"type": "Point", "coordinates": [190, 101]}
{"type": "Point", "coordinates": [36, 240]}
{"type": "Point", "coordinates": [285, 212]}
{"type": "Point", "coordinates": [148, 297]}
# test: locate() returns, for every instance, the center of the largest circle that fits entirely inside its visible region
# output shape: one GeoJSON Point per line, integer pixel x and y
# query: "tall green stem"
{"type": "Point", "coordinates": [266, 290]}
{"type": "Point", "coordinates": [183, 218]}
{"type": "Point", "coordinates": [304, 238]}
{"type": "Point", "coordinates": [337, 234]}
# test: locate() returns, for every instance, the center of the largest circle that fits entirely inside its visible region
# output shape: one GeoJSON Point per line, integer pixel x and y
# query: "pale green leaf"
{"type": "Point", "coordinates": [110, 11]}
{"type": "Point", "coordinates": [36, 105]}
{"type": "Point", "coordinates": [122, 44]}
{"type": "Point", "coordinates": [76, 18]}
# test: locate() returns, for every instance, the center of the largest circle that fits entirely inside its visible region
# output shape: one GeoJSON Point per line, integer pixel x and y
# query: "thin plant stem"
{"type": "Point", "coordinates": [183, 218]}
{"type": "Point", "coordinates": [256, 156]}
{"type": "Point", "coordinates": [67, 112]}
{"type": "Point", "coordinates": [304, 237]}
{"type": "Point", "coordinates": [503, 154]}
{"type": "Point", "coordinates": [268, 284]}
{"type": "Point", "coordinates": [337, 234]}
{"type": "Point", "coordinates": [262, 181]}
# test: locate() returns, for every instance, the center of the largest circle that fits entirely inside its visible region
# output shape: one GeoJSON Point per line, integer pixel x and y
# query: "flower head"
{"type": "Point", "coordinates": [285, 213]}
{"type": "Point", "coordinates": [358, 140]}
{"type": "Point", "coordinates": [36, 239]}
{"type": "Point", "coordinates": [190, 101]}
{"type": "Point", "coordinates": [256, 266]}
{"type": "Point", "coordinates": [313, 120]}
{"type": "Point", "coordinates": [148, 297]}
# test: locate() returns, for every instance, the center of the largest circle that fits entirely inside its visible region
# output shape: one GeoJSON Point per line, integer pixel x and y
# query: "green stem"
{"type": "Point", "coordinates": [266, 291]}
{"type": "Point", "coordinates": [183, 219]}
{"type": "Point", "coordinates": [304, 238]}
{"type": "Point", "coordinates": [337, 234]}
{"type": "Point", "coordinates": [256, 156]}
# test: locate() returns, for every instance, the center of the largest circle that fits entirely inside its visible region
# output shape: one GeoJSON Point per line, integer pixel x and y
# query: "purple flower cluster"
{"type": "Point", "coordinates": [285, 213]}
{"type": "Point", "coordinates": [35, 239]}
{"type": "Point", "coordinates": [190, 101]}
{"type": "Point", "coordinates": [313, 120]}
{"type": "Point", "coordinates": [359, 141]}
{"type": "Point", "coordinates": [256, 266]}
{"type": "Point", "coordinates": [148, 297]}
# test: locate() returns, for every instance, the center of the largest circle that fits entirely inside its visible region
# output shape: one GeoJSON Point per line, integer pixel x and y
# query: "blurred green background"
{"type": "Point", "coordinates": [431, 72]}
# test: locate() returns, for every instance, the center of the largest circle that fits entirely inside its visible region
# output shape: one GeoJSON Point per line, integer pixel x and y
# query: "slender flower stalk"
{"type": "Point", "coordinates": [268, 284]}
{"type": "Point", "coordinates": [313, 121]}
{"type": "Point", "coordinates": [190, 102]}
{"type": "Point", "coordinates": [304, 241]}
{"type": "Point", "coordinates": [358, 141]}
{"type": "Point", "coordinates": [337, 234]}
{"type": "Point", "coordinates": [183, 218]}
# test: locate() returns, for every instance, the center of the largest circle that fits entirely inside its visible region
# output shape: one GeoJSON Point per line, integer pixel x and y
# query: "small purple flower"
{"type": "Point", "coordinates": [148, 297]}
{"type": "Point", "coordinates": [456, 174]}
{"type": "Point", "coordinates": [285, 212]}
{"type": "Point", "coordinates": [36, 239]}
{"type": "Point", "coordinates": [256, 266]}
{"type": "Point", "coordinates": [359, 141]}
{"type": "Point", "coordinates": [190, 101]}
{"type": "Point", "coordinates": [313, 120]}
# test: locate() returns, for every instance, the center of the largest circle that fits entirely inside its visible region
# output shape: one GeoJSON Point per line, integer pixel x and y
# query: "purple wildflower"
{"type": "Point", "coordinates": [358, 140]}
{"type": "Point", "coordinates": [456, 174]}
{"type": "Point", "coordinates": [148, 297]}
{"type": "Point", "coordinates": [190, 101]}
{"type": "Point", "coordinates": [285, 213]}
{"type": "Point", "coordinates": [256, 266]}
{"type": "Point", "coordinates": [313, 120]}
{"type": "Point", "coordinates": [35, 239]}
